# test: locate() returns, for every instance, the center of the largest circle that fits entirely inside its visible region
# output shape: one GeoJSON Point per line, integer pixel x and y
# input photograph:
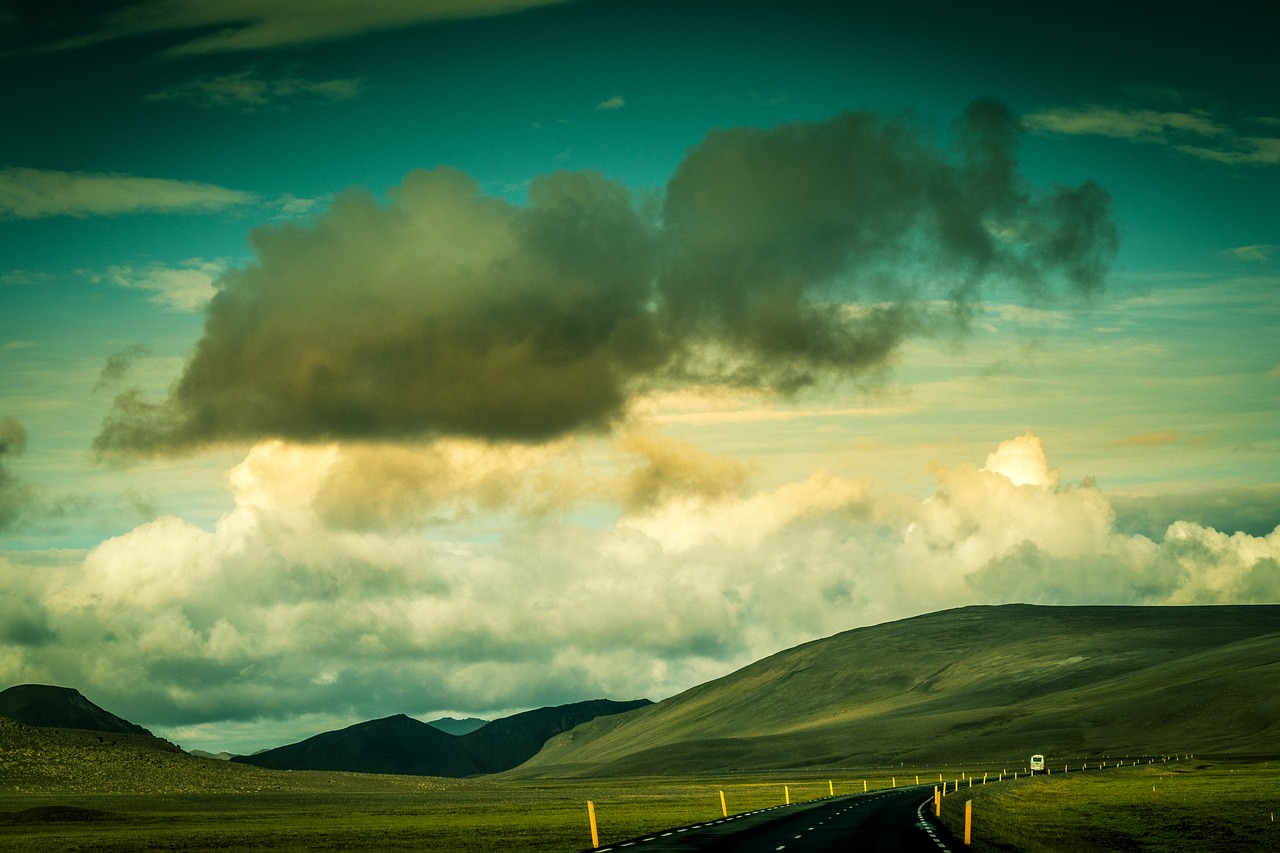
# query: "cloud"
{"type": "Point", "coordinates": [780, 258]}
{"type": "Point", "coordinates": [15, 495]}
{"type": "Point", "coordinates": [1136, 124]}
{"type": "Point", "coordinates": [118, 366]}
{"type": "Point", "coordinates": [617, 102]}
{"type": "Point", "coordinates": [38, 193]}
{"type": "Point", "coordinates": [1197, 133]}
{"type": "Point", "coordinates": [188, 287]}
{"type": "Point", "coordinates": [249, 91]}
{"type": "Point", "coordinates": [237, 25]}
{"type": "Point", "coordinates": [1152, 438]}
{"type": "Point", "coordinates": [1254, 510]}
{"type": "Point", "coordinates": [1258, 253]}
{"type": "Point", "coordinates": [287, 608]}
{"type": "Point", "coordinates": [675, 468]}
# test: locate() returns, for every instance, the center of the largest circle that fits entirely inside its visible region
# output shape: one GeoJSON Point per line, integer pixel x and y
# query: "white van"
{"type": "Point", "coordinates": [1037, 764]}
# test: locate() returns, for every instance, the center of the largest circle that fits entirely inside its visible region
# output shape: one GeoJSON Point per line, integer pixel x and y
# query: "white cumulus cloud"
{"type": "Point", "coordinates": [339, 590]}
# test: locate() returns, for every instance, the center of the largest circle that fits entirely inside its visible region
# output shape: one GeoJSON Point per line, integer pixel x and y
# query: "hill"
{"type": "Point", "coordinates": [59, 762]}
{"type": "Point", "coordinates": [971, 683]}
{"type": "Point", "coordinates": [46, 706]}
{"type": "Point", "coordinates": [454, 726]}
{"type": "Point", "coordinates": [402, 745]}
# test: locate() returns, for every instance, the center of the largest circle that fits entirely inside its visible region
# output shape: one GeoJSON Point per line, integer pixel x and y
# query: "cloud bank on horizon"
{"type": "Point", "coordinates": [316, 597]}
{"type": "Point", "coordinates": [778, 257]}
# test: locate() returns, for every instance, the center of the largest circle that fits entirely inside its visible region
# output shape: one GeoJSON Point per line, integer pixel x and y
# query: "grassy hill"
{"type": "Point", "coordinates": [60, 707]}
{"type": "Point", "coordinates": [977, 682]}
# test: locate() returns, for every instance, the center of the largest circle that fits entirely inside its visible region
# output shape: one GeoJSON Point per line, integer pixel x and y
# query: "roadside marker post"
{"type": "Point", "coordinates": [937, 802]}
{"type": "Point", "coordinates": [723, 806]}
{"type": "Point", "coordinates": [968, 823]}
{"type": "Point", "coordinates": [864, 786]}
{"type": "Point", "coordinates": [591, 813]}
{"type": "Point", "coordinates": [786, 794]}
{"type": "Point", "coordinates": [832, 786]}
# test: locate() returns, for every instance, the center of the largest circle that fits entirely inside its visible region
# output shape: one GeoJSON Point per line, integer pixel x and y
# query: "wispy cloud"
{"type": "Point", "coordinates": [1257, 253]}
{"type": "Point", "coordinates": [39, 193]}
{"type": "Point", "coordinates": [617, 102]}
{"type": "Point", "coordinates": [230, 25]}
{"type": "Point", "coordinates": [1196, 133]}
{"type": "Point", "coordinates": [186, 287]}
{"type": "Point", "coordinates": [14, 494]}
{"type": "Point", "coordinates": [250, 91]}
{"type": "Point", "coordinates": [1147, 439]}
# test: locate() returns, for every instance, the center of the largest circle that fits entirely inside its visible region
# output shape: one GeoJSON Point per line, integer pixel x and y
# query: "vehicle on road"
{"type": "Point", "coordinates": [1037, 764]}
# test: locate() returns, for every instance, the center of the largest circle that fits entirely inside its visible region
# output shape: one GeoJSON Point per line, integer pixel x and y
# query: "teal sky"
{"type": "Point", "coordinates": [369, 358]}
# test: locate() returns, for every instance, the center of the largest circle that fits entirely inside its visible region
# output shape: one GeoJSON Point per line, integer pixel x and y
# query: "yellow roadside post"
{"type": "Point", "coordinates": [893, 781]}
{"type": "Point", "coordinates": [937, 802]}
{"type": "Point", "coordinates": [968, 822]}
{"type": "Point", "coordinates": [832, 786]}
{"type": "Point", "coordinates": [724, 808]}
{"type": "Point", "coordinates": [864, 786]}
{"type": "Point", "coordinates": [786, 794]}
{"type": "Point", "coordinates": [591, 813]}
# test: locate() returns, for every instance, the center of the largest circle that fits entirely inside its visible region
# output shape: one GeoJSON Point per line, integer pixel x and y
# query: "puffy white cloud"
{"type": "Point", "coordinates": [353, 582]}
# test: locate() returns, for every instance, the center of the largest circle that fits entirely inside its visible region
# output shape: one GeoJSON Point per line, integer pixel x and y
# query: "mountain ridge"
{"type": "Point", "coordinates": [402, 745]}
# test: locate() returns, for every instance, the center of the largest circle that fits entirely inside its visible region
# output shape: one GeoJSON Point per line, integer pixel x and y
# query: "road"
{"type": "Point", "coordinates": [881, 821]}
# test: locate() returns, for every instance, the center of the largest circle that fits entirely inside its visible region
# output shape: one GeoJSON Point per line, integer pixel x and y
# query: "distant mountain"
{"type": "Point", "coordinates": [454, 726]}
{"type": "Point", "coordinates": [60, 707]}
{"type": "Point", "coordinates": [965, 684]}
{"type": "Point", "coordinates": [405, 746]}
{"type": "Point", "coordinates": [510, 741]}
{"type": "Point", "coordinates": [219, 756]}
{"type": "Point", "coordinates": [400, 745]}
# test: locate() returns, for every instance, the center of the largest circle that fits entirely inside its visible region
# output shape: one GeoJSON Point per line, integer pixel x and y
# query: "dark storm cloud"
{"type": "Point", "coordinates": [776, 233]}
{"type": "Point", "coordinates": [444, 312]}
{"type": "Point", "coordinates": [780, 256]}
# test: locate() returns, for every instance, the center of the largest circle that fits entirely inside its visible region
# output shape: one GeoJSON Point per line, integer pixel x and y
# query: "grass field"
{"type": "Point", "coordinates": [477, 816]}
{"type": "Point", "coordinates": [68, 790]}
{"type": "Point", "coordinates": [1189, 805]}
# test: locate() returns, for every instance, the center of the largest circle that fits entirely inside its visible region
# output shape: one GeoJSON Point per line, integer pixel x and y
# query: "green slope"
{"type": "Point", "coordinates": [973, 683]}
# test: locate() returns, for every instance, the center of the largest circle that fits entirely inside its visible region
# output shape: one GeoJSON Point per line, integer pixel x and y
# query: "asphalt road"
{"type": "Point", "coordinates": [888, 821]}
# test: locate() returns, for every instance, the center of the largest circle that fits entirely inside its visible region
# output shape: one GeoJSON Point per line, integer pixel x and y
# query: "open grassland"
{"type": "Point", "coordinates": [1188, 805]}
{"type": "Point", "coordinates": [323, 811]}
{"type": "Point", "coordinates": [1170, 806]}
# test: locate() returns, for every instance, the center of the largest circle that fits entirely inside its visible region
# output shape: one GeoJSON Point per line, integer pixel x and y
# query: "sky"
{"type": "Point", "coordinates": [470, 356]}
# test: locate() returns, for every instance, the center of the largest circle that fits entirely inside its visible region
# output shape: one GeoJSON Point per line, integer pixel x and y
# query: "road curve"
{"type": "Point", "coordinates": [889, 820]}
